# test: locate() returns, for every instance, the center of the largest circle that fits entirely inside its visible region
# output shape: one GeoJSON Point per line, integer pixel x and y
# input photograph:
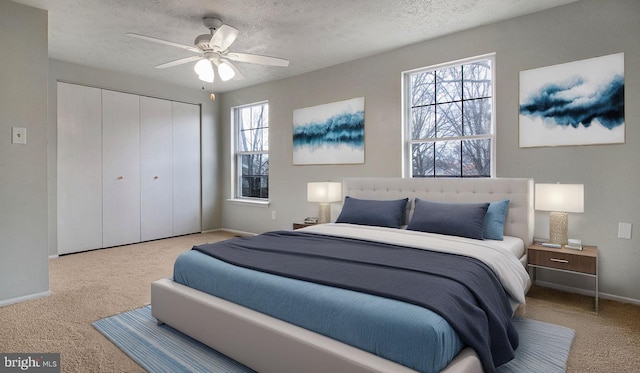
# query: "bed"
{"type": "Point", "coordinates": [269, 344]}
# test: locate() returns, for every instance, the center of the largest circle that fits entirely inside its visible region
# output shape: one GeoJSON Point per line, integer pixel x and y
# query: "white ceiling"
{"type": "Point", "coordinates": [312, 34]}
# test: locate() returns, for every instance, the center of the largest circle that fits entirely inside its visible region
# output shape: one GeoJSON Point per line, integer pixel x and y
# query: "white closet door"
{"type": "Point", "coordinates": [156, 199]}
{"type": "Point", "coordinates": [79, 175]}
{"type": "Point", "coordinates": [121, 168]}
{"type": "Point", "coordinates": [186, 168]}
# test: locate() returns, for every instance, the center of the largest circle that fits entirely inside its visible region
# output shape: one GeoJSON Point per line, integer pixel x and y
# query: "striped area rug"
{"type": "Point", "coordinates": [543, 347]}
{"type": "Point", "coordinates": [161, 348]}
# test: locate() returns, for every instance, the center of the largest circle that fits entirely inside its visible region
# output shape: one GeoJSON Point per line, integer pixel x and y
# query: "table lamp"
{"type": "Point", "coordinates": [560, 199]}
{"type": "Point", "coordinates": [324, 193]}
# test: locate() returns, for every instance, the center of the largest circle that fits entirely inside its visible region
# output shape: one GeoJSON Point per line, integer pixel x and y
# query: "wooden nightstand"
{"type": "Point", "coordinates": [302, 225]}
{"type": "Point", "coordinates": [581, 262]}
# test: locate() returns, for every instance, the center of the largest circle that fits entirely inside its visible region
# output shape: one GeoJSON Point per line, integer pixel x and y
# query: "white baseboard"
{"type": "Point", "coordinates": [239, 233]}
{"type": "Point", "coordinates": [25, 298]}
{"type": "Point", "coordinates": [591, 293]}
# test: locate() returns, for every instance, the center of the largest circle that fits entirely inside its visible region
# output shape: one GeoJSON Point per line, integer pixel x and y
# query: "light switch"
{"type": "Point", "coordinates": [624, 230]}
{"type": "Point", "coordinates": [18, 135]}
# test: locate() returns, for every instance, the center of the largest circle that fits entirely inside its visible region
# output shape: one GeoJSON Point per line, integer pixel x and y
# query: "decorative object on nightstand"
{"type": "Point", "coordinates": [559, 199]}
{"type": "Point", "coordinates": [324, 193]}
{"type": "Point", "coordinates": [574, 244]}
{"type": "Point", "coordinates": [581, 262]}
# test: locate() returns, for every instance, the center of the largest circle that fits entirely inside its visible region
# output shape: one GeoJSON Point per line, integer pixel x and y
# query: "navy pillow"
{"type": "Point", "coordinates": [454, 219]}
{"type": "Point", "coordinates": [494, 220]}
{"type": "Point", "coordinates": [373, 212]}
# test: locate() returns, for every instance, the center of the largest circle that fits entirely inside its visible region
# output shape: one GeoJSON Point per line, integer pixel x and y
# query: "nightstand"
{"type": "Point", "coordinates": [581, 262]}
{"type": "Point", "coordinates": [302, 225]}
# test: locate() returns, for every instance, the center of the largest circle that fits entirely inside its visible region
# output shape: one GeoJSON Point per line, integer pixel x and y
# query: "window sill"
{"type": "Point", "coordinates": [249, 202]}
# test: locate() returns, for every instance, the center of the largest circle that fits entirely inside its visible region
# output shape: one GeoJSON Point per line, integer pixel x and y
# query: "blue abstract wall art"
{"type": "Point", "coordinates": [576, 103]}
{"type": "Point", "coordinates": [330, 133]}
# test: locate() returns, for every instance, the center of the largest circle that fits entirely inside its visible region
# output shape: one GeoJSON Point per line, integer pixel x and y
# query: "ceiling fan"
{"type": "Point", "coordinates": [213, 50]}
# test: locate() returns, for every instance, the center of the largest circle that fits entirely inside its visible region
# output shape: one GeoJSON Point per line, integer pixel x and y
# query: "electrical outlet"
{"type": "Point", "coordinates": [273, 215]}
{"type": "Point", "coordinates": [18, 135]}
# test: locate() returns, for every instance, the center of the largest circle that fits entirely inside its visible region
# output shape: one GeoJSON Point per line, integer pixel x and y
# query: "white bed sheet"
{"type": "Point", "coordinates": [500, 256]}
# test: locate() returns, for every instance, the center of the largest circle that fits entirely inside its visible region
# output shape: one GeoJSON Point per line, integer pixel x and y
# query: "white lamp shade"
{"type": "Point", "coordinates": [225, 71]}
{"type": "Point", "coordinates": [559, 197]}
{"type": "Point", "coordinates": [324, 192]}
{"type": "Point", "coordinates": [204, 70]}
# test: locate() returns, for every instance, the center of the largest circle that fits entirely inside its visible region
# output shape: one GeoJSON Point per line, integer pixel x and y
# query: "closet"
{"type": "Point", "coordinates": [128, 168]}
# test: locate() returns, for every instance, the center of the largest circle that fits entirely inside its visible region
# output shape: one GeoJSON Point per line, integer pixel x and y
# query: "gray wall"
{"type": "Point", "coordinates": [610, 173]}
{"type": "Point", "coordinates": [24, 268]}
{"type": "Point", "coordinates": [73, 73]}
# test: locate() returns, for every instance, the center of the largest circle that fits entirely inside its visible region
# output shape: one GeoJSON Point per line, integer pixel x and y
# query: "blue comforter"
{"type": "Point", "coordinates": [460, 289]}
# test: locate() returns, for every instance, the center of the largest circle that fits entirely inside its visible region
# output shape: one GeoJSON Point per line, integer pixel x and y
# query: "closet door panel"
{"type": "Point", "coordinates": [79, 173]}
{"type": "Point", "coordinates": [186, 168]}
{"type": "Point", "coordinates": [156, 199]}
{"type": "Point", "coordinates": [121, 168]}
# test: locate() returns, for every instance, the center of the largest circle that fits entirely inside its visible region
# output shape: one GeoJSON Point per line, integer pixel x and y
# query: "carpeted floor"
{"type": "Point", "coordinates": [90, 286]}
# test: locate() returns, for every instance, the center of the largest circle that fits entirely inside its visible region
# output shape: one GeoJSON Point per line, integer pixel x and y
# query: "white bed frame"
{"type": "Point", "coordinates": [267, 344]}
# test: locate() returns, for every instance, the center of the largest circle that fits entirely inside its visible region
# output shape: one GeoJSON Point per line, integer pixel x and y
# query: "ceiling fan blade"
{"type": "Point", "coordinates": [165, 42]}
{"type": "Point", "coordinates": [178, 62]}
{"type": "Point", "coordinates": [223, 38]}
{"type": "Point", "coordinates": [255, 58]}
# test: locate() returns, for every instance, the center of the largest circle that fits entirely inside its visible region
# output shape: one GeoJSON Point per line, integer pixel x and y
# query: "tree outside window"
{"type": "Point", "coordinates": [252, 151]}
{"type": "Point", "coordinates": [449, 113]}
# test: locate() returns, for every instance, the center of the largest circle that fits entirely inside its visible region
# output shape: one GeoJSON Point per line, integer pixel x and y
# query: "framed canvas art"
{"type": "Point", "coordinates": [575, 103]}
{"type": "Point", "coordinates": [330, 133]}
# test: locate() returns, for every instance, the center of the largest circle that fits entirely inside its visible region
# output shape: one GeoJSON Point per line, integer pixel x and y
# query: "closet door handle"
{"type": "Point", "coordinates": [120, 177]}
{"type": "Point", "coordinates": [156, 177]}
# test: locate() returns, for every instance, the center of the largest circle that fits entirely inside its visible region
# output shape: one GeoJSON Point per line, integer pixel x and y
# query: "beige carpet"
{"type": "Point", "coordinates": [93, 285]}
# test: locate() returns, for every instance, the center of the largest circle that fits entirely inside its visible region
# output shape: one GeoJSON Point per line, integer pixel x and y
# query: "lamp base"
{"type": "Point", "coordinates": [324, 213]}
{"type": "Point", "coordinates": [558, 227]}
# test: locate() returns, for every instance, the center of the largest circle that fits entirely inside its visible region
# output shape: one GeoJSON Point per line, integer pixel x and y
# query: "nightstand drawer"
{"type": "Point", "coordinates": [566, 261]}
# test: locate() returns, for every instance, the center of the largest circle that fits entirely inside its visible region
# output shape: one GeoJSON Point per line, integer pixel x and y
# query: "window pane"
{"type": "Point", "coordinates": [422, 89]}
{"type": "Point", "coordinates": [255, 164]}
{"type": "Point", "coordinates": [447, 155]}
{"type": "Point", "coordinates": [253, 134]}
{"type": "Point", "coordinates": [449, 120]}
{"type": "Point", "coordinates": [255, 187]}
{"type": "Point", "coordinates": [423, 122]}
{"type": "Point", "coordinates": [253, 117]}
{"type": "Point", "coordinates": [422, 159]}
{"type": "Point", "coordinates": [255, 175]}
{"type": "Point", "coordinates": [449, 84]}
{"type": "Point", "coordinates": [477, 80]}
{"type": "Point", "coordinates": [476, 156]}
{"type": "Point", "coordinates": [253, 140]}
{"type": "Point", "coordinates": [477, 117]}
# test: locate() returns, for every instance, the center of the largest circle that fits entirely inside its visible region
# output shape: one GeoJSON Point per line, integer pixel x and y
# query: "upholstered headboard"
{"type": "Point", "coordinates": [519, 191]}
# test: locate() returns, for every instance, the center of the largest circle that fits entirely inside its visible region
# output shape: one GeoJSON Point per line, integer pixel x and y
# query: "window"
{"type": "Point", "coordinates": [251, 124]}
{"type": "Point", "coordinates": [448, 121]}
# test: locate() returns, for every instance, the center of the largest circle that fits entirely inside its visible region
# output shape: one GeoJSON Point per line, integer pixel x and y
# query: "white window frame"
{"type": "Point", "coordinates": [236, 171]}
{"type": "Point", "coordinates": [407, 166]}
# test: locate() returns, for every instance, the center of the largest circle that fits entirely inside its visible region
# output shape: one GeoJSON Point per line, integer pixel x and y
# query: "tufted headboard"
{"type": "Point", "coordinates": [519, 191]}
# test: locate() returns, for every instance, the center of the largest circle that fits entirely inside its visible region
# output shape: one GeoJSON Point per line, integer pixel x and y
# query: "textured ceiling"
{"type": "Point", "coordinates": [312, 34]}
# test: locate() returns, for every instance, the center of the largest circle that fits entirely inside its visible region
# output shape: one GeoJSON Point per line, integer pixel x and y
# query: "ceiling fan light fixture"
{"type": "Point", "coordinates": [204, 69]}
{"type": "Point", "coordinates": [213, 49]}
{"type": "Point", "coordinates": [225, 71]}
